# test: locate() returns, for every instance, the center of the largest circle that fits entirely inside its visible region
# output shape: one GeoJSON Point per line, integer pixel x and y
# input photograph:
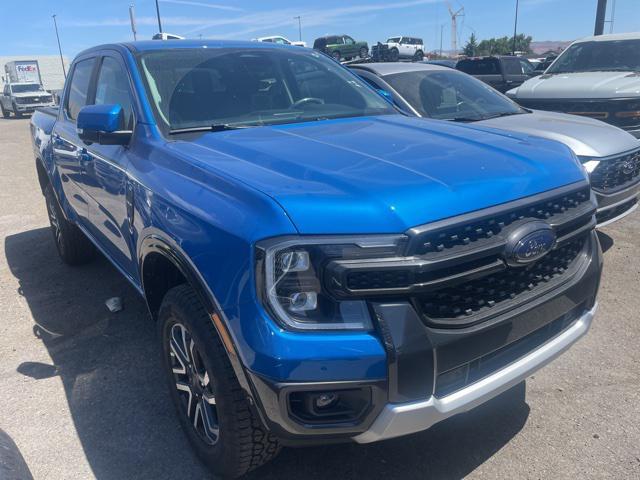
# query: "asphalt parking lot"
{"type": "Point", "coordinates": [82, 397]}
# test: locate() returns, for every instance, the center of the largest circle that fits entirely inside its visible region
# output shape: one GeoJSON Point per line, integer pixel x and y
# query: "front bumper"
{"type": "Point", "coordinates": [612, 208]}
{"type": "Point", "coordinates": [422, 384]}
{"type": "Point", "coordinates": [402, 419]}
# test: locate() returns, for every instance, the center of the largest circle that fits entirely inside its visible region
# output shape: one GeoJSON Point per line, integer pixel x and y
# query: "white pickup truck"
{"type": "Point", "coordinates": [598, 77]}
{"type": "Point", "coordinates": [21, 98]}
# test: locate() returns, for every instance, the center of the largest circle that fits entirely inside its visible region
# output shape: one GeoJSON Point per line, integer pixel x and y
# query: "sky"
{"type": "Point", "coordinates": [27, 26]}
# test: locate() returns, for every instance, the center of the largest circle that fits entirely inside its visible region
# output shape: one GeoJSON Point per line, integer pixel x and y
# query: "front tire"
{"type": "Point", "coordinates": [16, 112]}
{"type": "Point", "coordinates": [5, 113]}
{"type": "Point", "coordinates": [212, 407]}
{"type": "Point", "coordinates": [73, 246]}
{"type": "Point", "coordinates": [394, 55]}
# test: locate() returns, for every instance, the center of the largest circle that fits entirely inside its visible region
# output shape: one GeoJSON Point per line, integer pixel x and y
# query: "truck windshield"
{"type": "Point", "coordinates": [191, 88]}
{"type": "Point", "coordinates": [602, 56]}
{"type": "Point", "coordinates": [26, 88]}
{"type": "Point", "coordinates": [450, 95]}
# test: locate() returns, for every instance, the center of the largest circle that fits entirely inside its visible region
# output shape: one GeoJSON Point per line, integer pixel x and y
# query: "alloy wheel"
{"type": "Point", "coordinates": [193, 384]}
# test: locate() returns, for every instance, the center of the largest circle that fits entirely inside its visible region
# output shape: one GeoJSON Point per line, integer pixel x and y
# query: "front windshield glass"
{"type": "Point", "coordinates": [26, 88]}
{"type": "Point", "coordinates": [450, 95]}
{"type": "Point", "coordinates": [202, 87]}
{"type": "Point", "coordinates": [603, 56]}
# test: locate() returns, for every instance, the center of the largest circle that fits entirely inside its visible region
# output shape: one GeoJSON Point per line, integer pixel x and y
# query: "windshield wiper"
{"type": "Point", "coordinates": [483, 117]}
{"type": "Point", "coordinates": [216, 127]}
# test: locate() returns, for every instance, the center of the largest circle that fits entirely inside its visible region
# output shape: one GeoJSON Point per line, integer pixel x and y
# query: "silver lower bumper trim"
{"type": "Point", "coordinates": [402, 419]}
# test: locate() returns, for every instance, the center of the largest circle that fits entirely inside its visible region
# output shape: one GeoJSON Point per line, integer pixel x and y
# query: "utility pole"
{"type": "Point", "coordinates": [441, 29]}
{"type": "Point", "coordinates": [601, 11]}
{"type": "Point", "coordinates": [158, 13]}
{"type": "Point", "coordinates": [55, 24]}
{"type": "Point", "coordinates": [299, 18]}
{"type": "Point", "coordinates": [515, 29]}
{"type": "Point", "coordinates": [132, 17]}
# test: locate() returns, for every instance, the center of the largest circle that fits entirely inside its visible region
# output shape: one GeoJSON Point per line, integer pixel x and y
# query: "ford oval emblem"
{"type": "Point", "coordinates": [628, 167]}
{"type": "Point", "coordinates": [528, 243]}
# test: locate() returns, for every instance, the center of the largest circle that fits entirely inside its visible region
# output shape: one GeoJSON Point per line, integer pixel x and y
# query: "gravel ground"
{"type": "Point", "coordinates": [82, 397]}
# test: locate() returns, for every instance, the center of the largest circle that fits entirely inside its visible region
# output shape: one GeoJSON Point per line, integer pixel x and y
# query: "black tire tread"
{"type": "Point", "coordinates": [253, 445]}
{"type": "Point", "coordinates": [77, 248]}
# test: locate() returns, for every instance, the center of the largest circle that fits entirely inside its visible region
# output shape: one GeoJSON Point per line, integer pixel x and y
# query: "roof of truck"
{"type": "Point", "coordinates": [611, 37]}
{"type": "Point", "coordinates": [153, 45]}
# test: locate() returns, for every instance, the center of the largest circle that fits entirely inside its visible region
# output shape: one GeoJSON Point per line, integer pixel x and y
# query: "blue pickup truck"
{"type": "Point", "coordinates": [320, 267]}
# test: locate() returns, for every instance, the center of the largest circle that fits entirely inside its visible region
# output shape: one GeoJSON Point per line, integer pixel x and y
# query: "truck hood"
{"type": "Point", "coordinates": [585, 136]}
{"type": "Point", "coordinates": [383, 174]}
{"type": "Point", "coordinates": [583, 85]}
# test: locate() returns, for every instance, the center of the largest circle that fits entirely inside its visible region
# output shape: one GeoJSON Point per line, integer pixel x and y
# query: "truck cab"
{"type": "Point", "coordinates": [501, 72]}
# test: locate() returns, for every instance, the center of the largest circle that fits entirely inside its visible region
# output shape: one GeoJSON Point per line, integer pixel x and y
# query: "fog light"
{"type": "Point", "coordinates": [326, 400]}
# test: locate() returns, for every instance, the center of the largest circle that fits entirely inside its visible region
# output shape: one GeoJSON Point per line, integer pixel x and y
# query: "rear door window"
{"type": "Point", "coordinates": [485, 66]}
{"type": "Point", "coordinates": [79, 87]}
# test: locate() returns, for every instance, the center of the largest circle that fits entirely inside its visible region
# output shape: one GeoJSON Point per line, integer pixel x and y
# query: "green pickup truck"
{"type": "Point", "coordinates": [341, 46]}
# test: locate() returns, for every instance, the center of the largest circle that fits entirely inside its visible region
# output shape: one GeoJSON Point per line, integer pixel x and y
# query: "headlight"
{"type": "Point", "coordinates": [589, 163]}
{"type": "Point", "coordinates": [291, 279]}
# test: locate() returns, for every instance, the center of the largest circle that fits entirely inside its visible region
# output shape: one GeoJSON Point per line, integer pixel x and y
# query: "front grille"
{"type": "Point", "coordinates": [478, 297]}
{"type": "Point", "coordinates": [479, 232]}
{"type": "Point", "coordinates": [615, 212]}
{"type": "Point", "coordinates": [618, 174]}
{"type": "Point", "coordinates": [460, 271]}
{"type": "Point", "coordinates": [624, 113]}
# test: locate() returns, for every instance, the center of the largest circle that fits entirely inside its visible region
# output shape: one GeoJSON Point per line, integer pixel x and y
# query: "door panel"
{"type": "Point", "coordinates": [67, 146]}
{"type": "Point", "coordinates": [104, 169]}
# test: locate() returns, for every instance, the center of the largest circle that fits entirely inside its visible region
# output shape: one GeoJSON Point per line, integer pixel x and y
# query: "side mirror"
{"type": "Point", "coordinates": [102, 124]}
{"type": "Point", "coordinates": [386, 95]}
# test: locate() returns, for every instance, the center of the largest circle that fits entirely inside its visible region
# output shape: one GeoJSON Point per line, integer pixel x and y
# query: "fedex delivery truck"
{"type": "Point", "coordinates": [23, 71]}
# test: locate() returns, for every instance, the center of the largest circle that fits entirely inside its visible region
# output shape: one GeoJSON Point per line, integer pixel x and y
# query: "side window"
{"type": "Point", "coordinates": [112, 87]}
{"type": "Point", "coordinates": [349, 41]}
{"type": "Point", "coordinates": [79, 88]}
{"type": "Point", "coordinates": [371, 82]}
{"type": "Point", "coordinates": [512, 66]}
{"type": "Point", "coordinates": [527, 68]}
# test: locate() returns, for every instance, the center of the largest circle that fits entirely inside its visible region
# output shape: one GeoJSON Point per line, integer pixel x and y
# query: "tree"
{"type": "Point", "coordinates": [504, 45]}
{"type": "Point", "coordinates": [471, 48]}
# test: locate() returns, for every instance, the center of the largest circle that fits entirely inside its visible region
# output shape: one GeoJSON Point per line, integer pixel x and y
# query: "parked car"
{"type": "Point", "coordinates": [405, 47]}
{"type": "Point", "coordinates": [320, 267]}
{"type": "Point", "coordinates": [22, 98]}
{"type": "Point", "coordinates": [596, 77]}
{"type": "Point", "coordinates": [501, 72]}
{"type": "Point", "coordinates": [611, 155]}
{"type": "Point", "coordinates": [281, 41]}
{"type": "Point", "coordinates": [341, 47]}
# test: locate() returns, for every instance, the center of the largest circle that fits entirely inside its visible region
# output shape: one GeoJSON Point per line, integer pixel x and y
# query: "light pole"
{"type": "Point", "coordinates": [132, 17]}
{"type": "Point", "coordinates": [299, 18]}
{"type": "Point", "coordinates": [515, 29]}
{"type": "Point", "coordinates": [441, 29]}
{"type": "Point", "coordinates": [158, 13]}
{"type": "Point", "coordinates": [55, 24]}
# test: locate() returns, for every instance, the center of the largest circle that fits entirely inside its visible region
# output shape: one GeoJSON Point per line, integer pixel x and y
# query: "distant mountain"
{"type": "Point", "coordinates": [549, 45]}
